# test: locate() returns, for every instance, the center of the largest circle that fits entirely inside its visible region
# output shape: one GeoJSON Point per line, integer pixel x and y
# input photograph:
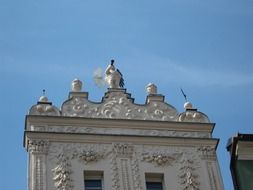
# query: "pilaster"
{"type": "Point", "coordinates": [37, 167]}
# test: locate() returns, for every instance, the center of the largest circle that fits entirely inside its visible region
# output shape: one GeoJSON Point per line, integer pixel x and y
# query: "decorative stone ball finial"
{"type": "Point", "coordinates": [151, 89]}
{"type": "Point", "coordinates": [76, 85]}
{"type": "Point", "coordinates": [187, 105]}
{"type": "Point", "coordinates": [43, 99]}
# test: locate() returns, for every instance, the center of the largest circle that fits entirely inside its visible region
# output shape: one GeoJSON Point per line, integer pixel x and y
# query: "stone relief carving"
{"type": "Point", "coordinates": [101, 130]}
{"type": "Point", "coordinates": [192, 115]}
{"type": "Point", "coordinates": [136, 173]}
{"type": "Point", "coordinates": [207, 153]}
{"type": "Point", "coordinates": [87, 156]}
{"type": "Point", "coordinates": [44, 109]}
{"type": "Point", "coordinates": [118, 104]}
{"type": "Point", "coordinates": [172, 151]}
{"type": "Point", "coordinates": [188, 176]}
{"type": "Point", "coordinates": [158, 159]}
{"type": "Point", "coordinates": [185, 158]}
{"type": "Point", "coordinates": [114, 172]}
{"type": "Point", "coordinates": [38, 146]}
{"type": "Point", "coordinates": [85, 153]}
{"type": "Point", "coordinates": [62, 173]}
{"type": "Point", "coordinates": [63, 153]}
{"type": "Point", "coordinates": [123, 149]}
{"type": "Point", "coordinates": [123, 157]}
{"type": "Point", "coordinates": [124, 168]}
{"type": "Point", "coordinates": [124, 161]}
{"type": "Point", "coordinates": [38, 149]}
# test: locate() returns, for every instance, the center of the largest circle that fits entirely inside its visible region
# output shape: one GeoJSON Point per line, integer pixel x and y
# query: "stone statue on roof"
{"type": "Point", "coordinates": [113, 76]}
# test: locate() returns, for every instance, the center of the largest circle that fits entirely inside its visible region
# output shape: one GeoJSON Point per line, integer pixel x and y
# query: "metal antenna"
{"type": "Point", "coordinates": [185, 97]}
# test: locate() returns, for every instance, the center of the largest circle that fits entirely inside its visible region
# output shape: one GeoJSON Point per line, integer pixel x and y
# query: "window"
{"type": "Point", "coordinates": [93, 184]}
{"type": "Point", "coordinates": [154, 181]}
{"type": "Point", "coordinates": [154, 185]}
{"type": "Point", "coordinates": [93, 180]}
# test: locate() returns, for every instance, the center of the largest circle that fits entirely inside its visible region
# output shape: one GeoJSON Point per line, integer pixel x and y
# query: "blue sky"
{"type": "Point", "coordinates": [203, 46]}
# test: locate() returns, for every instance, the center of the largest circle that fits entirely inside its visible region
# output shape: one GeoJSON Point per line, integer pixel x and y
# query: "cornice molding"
{"type": "Point", "coordinates": [142, 140]}
{"type": "Point", "coordinates": [116, 123]}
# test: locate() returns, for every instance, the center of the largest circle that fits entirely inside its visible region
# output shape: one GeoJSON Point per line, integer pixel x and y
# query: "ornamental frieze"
{"type": "Point", "coordinates": [139, 132]}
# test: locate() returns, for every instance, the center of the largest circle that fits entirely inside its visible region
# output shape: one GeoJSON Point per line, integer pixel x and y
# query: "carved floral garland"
{"type": "Point", "coordinates": [159, 159]}
{"type": "Point", "coordinates": [188, 176]}
{"type": "Point", "coordinates": [87, 156]}
{"type": "Point", "coordinates": [62, 173]}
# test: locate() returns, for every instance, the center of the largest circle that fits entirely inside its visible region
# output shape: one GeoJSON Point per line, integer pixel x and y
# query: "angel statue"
{"type": "Point", "coordinates": [113, 77]}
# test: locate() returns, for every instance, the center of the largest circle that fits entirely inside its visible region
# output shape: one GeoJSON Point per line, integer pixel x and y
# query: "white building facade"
{"type": "Point", "coordinates": [116, 144]}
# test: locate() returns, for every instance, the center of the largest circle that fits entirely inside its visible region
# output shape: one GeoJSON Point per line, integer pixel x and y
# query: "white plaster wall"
{"type": "Point", "coordinates": [170, 169]}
